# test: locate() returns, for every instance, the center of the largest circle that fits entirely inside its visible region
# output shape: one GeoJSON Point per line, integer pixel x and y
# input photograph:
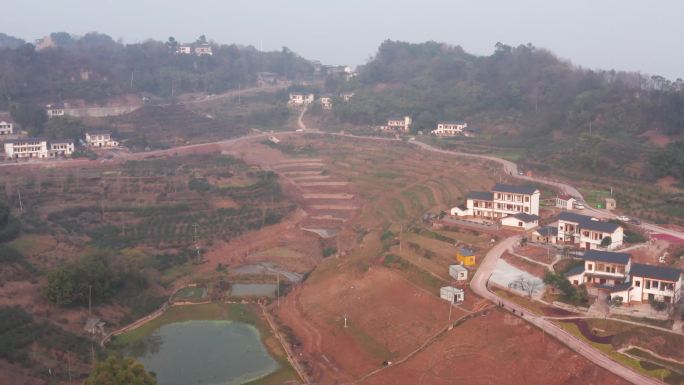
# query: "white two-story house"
{"type": "Point", "coordinates": [6, 126]}
{"type": "Point", "coordinates": [450, 128]}
{"type": "Point", "coordinates": [26, 148]}
{"type": "Point", "coordinates": [61, 148]}
{"type": "Point", "coordinates": [502, 201]}
{"type": "Point", "coordinates": [398, 124]}
{"type": "Point", "coordinates": [326, 102]}
{"type": "Point", "coordinates": [100, 139]}
{"type": "Point", "coordinates": [652, 283]}
{"type": "Point", "coordinates": [588, 232]}
{"type": "Point", "coordinates": [54, 110]}
{"type": "Point", "coordinates": [204, 49]}
{"type": "Point", "coordinates": [299, 99]}
{"type": "Point", "coordinates": [633, 282]}
{"type": "Point", "coordinates": [603, 268]}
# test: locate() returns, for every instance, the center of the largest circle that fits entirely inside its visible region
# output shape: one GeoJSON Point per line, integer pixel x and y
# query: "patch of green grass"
{"type": "Point", "coordinates": [387, 174]}
{"type": "Point", "coordinates": [610, 351]}
{"type": "Point", "coordinates": [370, 344]}
{"type": "Point", "coordinates": [398, 208]}
{"type": "Point", "coordinates": [667, 324]}
{"type": "Point", "coordinates": [190, 293]}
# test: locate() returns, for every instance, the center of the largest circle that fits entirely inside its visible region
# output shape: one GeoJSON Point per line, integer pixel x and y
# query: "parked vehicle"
{"type": "Point", "coordinates": [635, 221]}
{"type": "Point", "coordinates": [579, 206]}
{"type": "Point", "coordinates": [622, 218]}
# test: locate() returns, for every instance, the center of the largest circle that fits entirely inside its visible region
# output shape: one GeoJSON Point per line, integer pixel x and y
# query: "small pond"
{"type": "Point", "coordinates": [253, 290]}
{"type": "Point", "coordinates": [204, 353]}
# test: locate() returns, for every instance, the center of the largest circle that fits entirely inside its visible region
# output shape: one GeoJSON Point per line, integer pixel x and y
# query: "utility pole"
{"type": "Point", "coordinates": [345, 320]}
{"type": "Point", "coordinates": [590, 128]}
{"type": "Point", "coordinates": [196, 237]}
{"type": "Point", "coordinates": [451, 305]}
{"type": "Point", "coordinates": [21, 204]}
{"type": "Point", "coordinates": [90, 300]}
{"type": "Point", "coordinates": [278, 288]}
{"type": "Point", "coordinates": [401, 232]}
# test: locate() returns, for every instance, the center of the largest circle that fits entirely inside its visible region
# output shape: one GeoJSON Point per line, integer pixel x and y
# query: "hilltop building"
{"type": "Point", "coordinates": [326, 102]}
{"type": "Point", "coordinates": [204, 49]}
{"type": "Point", "coordinates": [184, 49]}
{"type": "Point", "coordinates": [54, 110]}
{"type": "Point", "coordinates": [6, 125]}
{"type": "Point", "coordinates": [300, 99]}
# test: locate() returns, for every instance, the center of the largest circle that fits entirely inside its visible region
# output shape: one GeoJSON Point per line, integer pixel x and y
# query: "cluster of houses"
{"type": "Point", "coordinates": [201, 49]}
{"type": "Point", "coordinates": [517, 207]}
{"type": "Point", "coordinates": [337, 70]}
{"type": "Point", "coordinates": [403, 125]}
{"type": "Point", "coordinates": [43, 148]}
{"type": "Point", "coordinates": [618, 275]}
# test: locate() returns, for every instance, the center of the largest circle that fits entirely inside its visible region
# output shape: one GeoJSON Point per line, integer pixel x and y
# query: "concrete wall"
{"type": "Point", "coordinates": [99, 112]}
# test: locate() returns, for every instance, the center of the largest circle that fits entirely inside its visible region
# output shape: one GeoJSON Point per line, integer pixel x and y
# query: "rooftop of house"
{"type": "Point", "coordinates": [514, 189]}
{"type": "Point", "coordinates": [657, 272]}
{"type": "Point", "coordinates": [454, 122]}
{"type": "Point", "coordinates": [481, 195]}
{"type": "Point", "coordinates": [604, 227]}
{"type": "Point", "coordinates": [99, 132]}
{"type": "Point", "coordinates": [526, 217]}
{"type": "Point", "coordinates": [55, 106]}
{"type": "Point", "coordinates": [565, 197]}
{"type": "Point", "coordinates": [61, 141]}
{"type": "Point", "coordinates": [458, 267]}
{"type": "Point", "coordinates": [572, 217]}
{"type": "Point", "coordinates": [464, 251]}
{"type": "Point", "coordinates": [25, 140]}
{"type": "Point", "coordinates": [574, 271]}
{"type": "Point", "coordinates": [620, 287]}
{"type": "Point", "coordinates": [396, 119]}
{"type": "Point", "coordinates": [607, 256]}
{"type": "Point", "coordinates": [548, 231]}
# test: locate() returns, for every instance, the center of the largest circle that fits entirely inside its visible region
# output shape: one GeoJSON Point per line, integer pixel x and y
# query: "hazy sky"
{"type": "Point", "coordinates": [640, 35]}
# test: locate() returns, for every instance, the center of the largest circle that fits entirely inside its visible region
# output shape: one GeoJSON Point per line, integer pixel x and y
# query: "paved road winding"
{"type": "Point", "coordinates": [479, 284]}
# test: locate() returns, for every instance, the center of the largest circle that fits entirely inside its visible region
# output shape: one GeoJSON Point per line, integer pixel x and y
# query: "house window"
{"type": "Point", "coordinates": [600, 267]}
{"type": "Point", "coordinates": [520, 224]}
{"type": "Point", "coordinates": [527, 199]}
{"type": "Point", "coordinates": [648, 284]}
{"type": "Point", "coordinates": [590, 267]}
{"type": "Point", "coordinates": [655, 284]}
{"type": "Point", "coordinates": [637, 283]}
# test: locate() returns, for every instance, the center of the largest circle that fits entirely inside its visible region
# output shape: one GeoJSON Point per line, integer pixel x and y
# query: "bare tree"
{"type": "Point", "coordinates": [529, 286]}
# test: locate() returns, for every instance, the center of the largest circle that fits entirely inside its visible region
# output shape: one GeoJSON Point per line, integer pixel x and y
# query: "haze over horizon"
{"type": "Point", "coordinates": [612, 34]}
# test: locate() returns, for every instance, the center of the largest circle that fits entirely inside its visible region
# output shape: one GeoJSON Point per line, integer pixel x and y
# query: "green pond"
{"type": "Point", "coordinates": [204, 353]}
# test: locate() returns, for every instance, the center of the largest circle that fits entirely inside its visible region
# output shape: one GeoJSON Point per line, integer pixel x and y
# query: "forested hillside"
{"type": "Point", "coordinates": [95, 67]}
{"type": "Point", "coordinates": [522, 97]}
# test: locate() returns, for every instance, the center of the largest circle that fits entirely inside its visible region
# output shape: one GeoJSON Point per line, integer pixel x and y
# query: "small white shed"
{"type": "Point", "coordinates": [451, 294]}
{"type": "Point", "coordinates": [458, 272]}
{"type": "Point", "coordinates": [520, 221]}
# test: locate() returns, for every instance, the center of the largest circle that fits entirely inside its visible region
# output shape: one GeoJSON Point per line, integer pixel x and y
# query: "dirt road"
{"type": "Point", "coordinates": [479, 285]}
